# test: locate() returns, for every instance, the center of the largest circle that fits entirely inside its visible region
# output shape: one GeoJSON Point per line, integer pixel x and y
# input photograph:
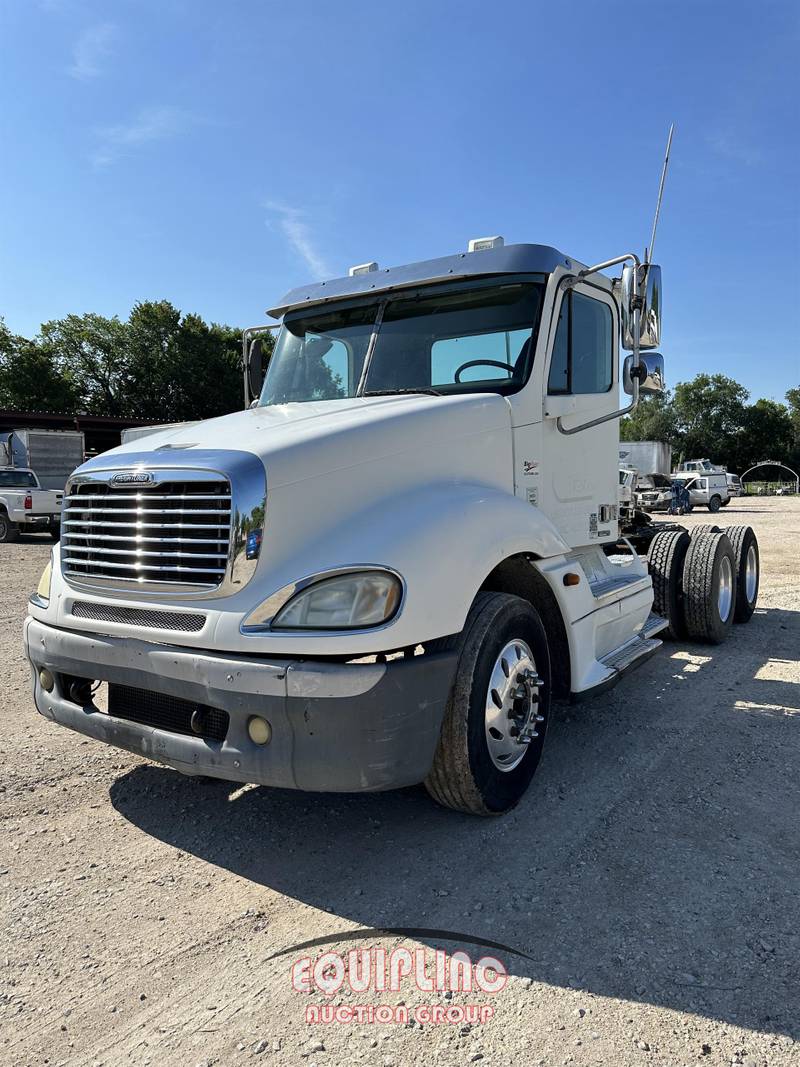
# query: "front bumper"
{"type": "Point", "coordinates": [337, 727]}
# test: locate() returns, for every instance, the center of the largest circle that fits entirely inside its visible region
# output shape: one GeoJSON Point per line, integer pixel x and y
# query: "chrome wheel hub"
{"type": "Point", "coordinates": [512, 705]}
{"type": "Point", "coordinates": [725, 593]}
{"type": "Point", "coordinates": [751, 574]}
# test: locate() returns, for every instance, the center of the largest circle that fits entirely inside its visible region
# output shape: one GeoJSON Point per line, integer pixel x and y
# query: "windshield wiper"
{"type": "Point", "coordinates": [402, 392]}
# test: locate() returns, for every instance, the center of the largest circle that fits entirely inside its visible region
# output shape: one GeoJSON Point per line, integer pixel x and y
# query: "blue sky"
{"type": "Point", "coordinates": [217, 154]}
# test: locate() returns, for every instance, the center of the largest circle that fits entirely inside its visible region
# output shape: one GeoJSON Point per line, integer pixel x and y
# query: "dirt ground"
{"type": "Point", "coordinates": [650, 877]}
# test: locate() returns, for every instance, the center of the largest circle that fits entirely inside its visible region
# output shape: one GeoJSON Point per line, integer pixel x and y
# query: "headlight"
{"type": "Point", "coordinates": [43, 588]}
{"type": "Point", "coordinates": [353, 601]}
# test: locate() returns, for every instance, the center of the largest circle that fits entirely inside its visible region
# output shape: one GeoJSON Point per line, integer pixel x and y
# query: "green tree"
{"type": "Point", "coordinates": [709, 414]}
{"type": "Point", "coordinates": [152, 342]}
{"type": "Point", "coordinates": [30, 378]}
{"type": "Point", "coordinates": [653, 419]}
{"type": "Point", "coordinates": [92, 353]}
{"type": "Point", "coordinates": [767, 433]}
{"type": "Point", "coordinates": [793, 400]}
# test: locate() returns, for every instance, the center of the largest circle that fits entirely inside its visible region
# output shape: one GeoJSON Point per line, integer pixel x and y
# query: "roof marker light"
{"type": "Point", "coordinates": [480, 244]}
{"type": "Point", "coordinates": [363, 268]}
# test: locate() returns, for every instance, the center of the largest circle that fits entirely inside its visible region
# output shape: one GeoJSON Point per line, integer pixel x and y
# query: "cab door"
{"type": "Point", "coordinates": [580, 470]}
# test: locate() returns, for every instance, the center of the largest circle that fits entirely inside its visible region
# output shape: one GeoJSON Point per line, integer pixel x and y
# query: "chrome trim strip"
{"type": "Point", "coordinates": [150, 496]}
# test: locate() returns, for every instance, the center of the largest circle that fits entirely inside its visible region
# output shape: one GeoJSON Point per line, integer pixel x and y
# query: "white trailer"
{"type": "Point", "coordinates": [649, 457]}
{"type": "Point", "coordinates": [52, 454]}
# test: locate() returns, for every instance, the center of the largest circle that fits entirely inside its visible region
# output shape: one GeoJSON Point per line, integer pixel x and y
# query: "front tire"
{"type": "Point", "coordinates": [501, 692]}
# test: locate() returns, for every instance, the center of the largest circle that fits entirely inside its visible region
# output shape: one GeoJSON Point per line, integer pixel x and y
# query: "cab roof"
{"type": "Point", "coordinates": [506, 259]}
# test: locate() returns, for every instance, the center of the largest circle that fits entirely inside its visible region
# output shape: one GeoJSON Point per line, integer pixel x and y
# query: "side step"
{"type": "Point", "coordinates": [613, 587]}
{"type": "Point", "coordinates": [623, 659]}
{"type": "Point", "coordinates": [632, 652]}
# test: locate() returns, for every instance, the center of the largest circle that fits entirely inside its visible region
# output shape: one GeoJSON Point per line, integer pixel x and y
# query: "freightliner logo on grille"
{"type": "Point", "coordinates": [139, 478]}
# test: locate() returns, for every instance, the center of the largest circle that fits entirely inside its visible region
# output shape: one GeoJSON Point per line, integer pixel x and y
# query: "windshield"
{"type": "Point", "coordinates": [17, 480]}
{"type": "Point", "coordinates": [476, 339]}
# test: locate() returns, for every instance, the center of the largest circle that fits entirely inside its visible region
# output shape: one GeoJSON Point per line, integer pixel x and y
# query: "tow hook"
{"type": "Point", "coordinates": [524, 709]}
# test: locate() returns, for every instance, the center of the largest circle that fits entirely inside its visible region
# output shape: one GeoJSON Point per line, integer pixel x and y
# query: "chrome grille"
{"type": "Point", "coordinates": [173, 531]}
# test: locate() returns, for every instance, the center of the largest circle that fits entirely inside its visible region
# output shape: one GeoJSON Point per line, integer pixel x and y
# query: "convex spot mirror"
{"type": "Point", "coordinates": [650, 319]}
{"type": "Point", "coordinates": [651, 374]}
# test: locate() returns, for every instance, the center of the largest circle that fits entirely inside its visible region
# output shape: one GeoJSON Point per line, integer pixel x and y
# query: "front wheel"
{"type": "Point", "coordinates": [496, 717]}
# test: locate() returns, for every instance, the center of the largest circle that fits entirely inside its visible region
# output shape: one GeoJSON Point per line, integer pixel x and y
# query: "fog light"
{"type": "Point", "coordinates": [259, 730]}
{"type": "Point", "coordinates": [46, 680]}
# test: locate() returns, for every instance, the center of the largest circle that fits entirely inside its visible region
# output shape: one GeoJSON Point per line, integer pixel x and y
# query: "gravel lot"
{"type": "Point", "coordinates": [651, 875]}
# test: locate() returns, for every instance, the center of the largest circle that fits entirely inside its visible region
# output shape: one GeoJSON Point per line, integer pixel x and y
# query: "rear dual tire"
{"type": "Point", "coordinates": [704, 528]}
{"type": "Point", "coordinates": [665, 561]}
{"type": "Point", "coordinates": [748, 570]}
{"type": "Point", "coordinates": [709, 588]}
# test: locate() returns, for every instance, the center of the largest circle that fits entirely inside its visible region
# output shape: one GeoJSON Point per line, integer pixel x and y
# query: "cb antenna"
{"type": "Point", "coordinates": [648, 252]}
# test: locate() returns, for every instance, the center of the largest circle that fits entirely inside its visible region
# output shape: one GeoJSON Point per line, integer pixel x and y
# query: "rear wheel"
{"type": "Point", "coordinates": [494, 725]}
{"type": "Point", "coordinates": [703, 528]}
{"type": "Point", "coordinates": [665, 559]}
{"type": "Point", "coordinates": [748, 570]}
{"type": "Point", "coordinates": [715, 503]}
{"type": "Point", "coordinates": [709, 588]}
{"type": "Point", "coordinates": [54, 530]}
{"type": "Point", "coordinates": [9, 531]}
{"type": "Point", "coordinates": [724, 503]}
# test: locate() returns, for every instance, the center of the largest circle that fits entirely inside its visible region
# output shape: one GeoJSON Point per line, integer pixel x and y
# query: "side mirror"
{"type": "Point", "coordinates": [650, 373]}
{"type": "Point", "coordinates": [650, 318]}
{"type": "Point", "coordinates": [255, 367]}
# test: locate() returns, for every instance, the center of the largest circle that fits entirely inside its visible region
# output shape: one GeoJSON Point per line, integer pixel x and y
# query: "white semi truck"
{"type": "Point", "coordinates": [387, 568]}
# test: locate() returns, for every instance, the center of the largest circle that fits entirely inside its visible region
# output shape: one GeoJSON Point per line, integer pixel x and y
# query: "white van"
{"type": "Point", "coordinates": [709, 490]}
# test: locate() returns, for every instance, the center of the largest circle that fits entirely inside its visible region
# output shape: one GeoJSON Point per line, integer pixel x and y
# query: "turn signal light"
{"type": "Point", "coordinates": [571, 579]}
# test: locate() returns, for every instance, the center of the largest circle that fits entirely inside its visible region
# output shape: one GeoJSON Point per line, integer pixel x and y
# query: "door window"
{"type": "Point", "coordinates": [582, 360]}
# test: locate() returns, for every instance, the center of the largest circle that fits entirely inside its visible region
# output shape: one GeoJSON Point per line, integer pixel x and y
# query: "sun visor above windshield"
{"type": "Point", "coordinates": [508, 259]}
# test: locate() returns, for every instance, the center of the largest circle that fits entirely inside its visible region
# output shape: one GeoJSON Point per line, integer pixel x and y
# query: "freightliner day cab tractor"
{"type": "Point", "coordinates": [386, 569]}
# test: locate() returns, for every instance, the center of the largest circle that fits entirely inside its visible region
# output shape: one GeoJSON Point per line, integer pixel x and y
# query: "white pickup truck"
{"type": "Point", "coordinates": [386, 568]}
{"type": "Point", "coordinates": [24, 505]}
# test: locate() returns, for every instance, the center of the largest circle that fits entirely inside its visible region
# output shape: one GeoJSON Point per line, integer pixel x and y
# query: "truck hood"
{"type": "Point", "coordinates": [296, 441]}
